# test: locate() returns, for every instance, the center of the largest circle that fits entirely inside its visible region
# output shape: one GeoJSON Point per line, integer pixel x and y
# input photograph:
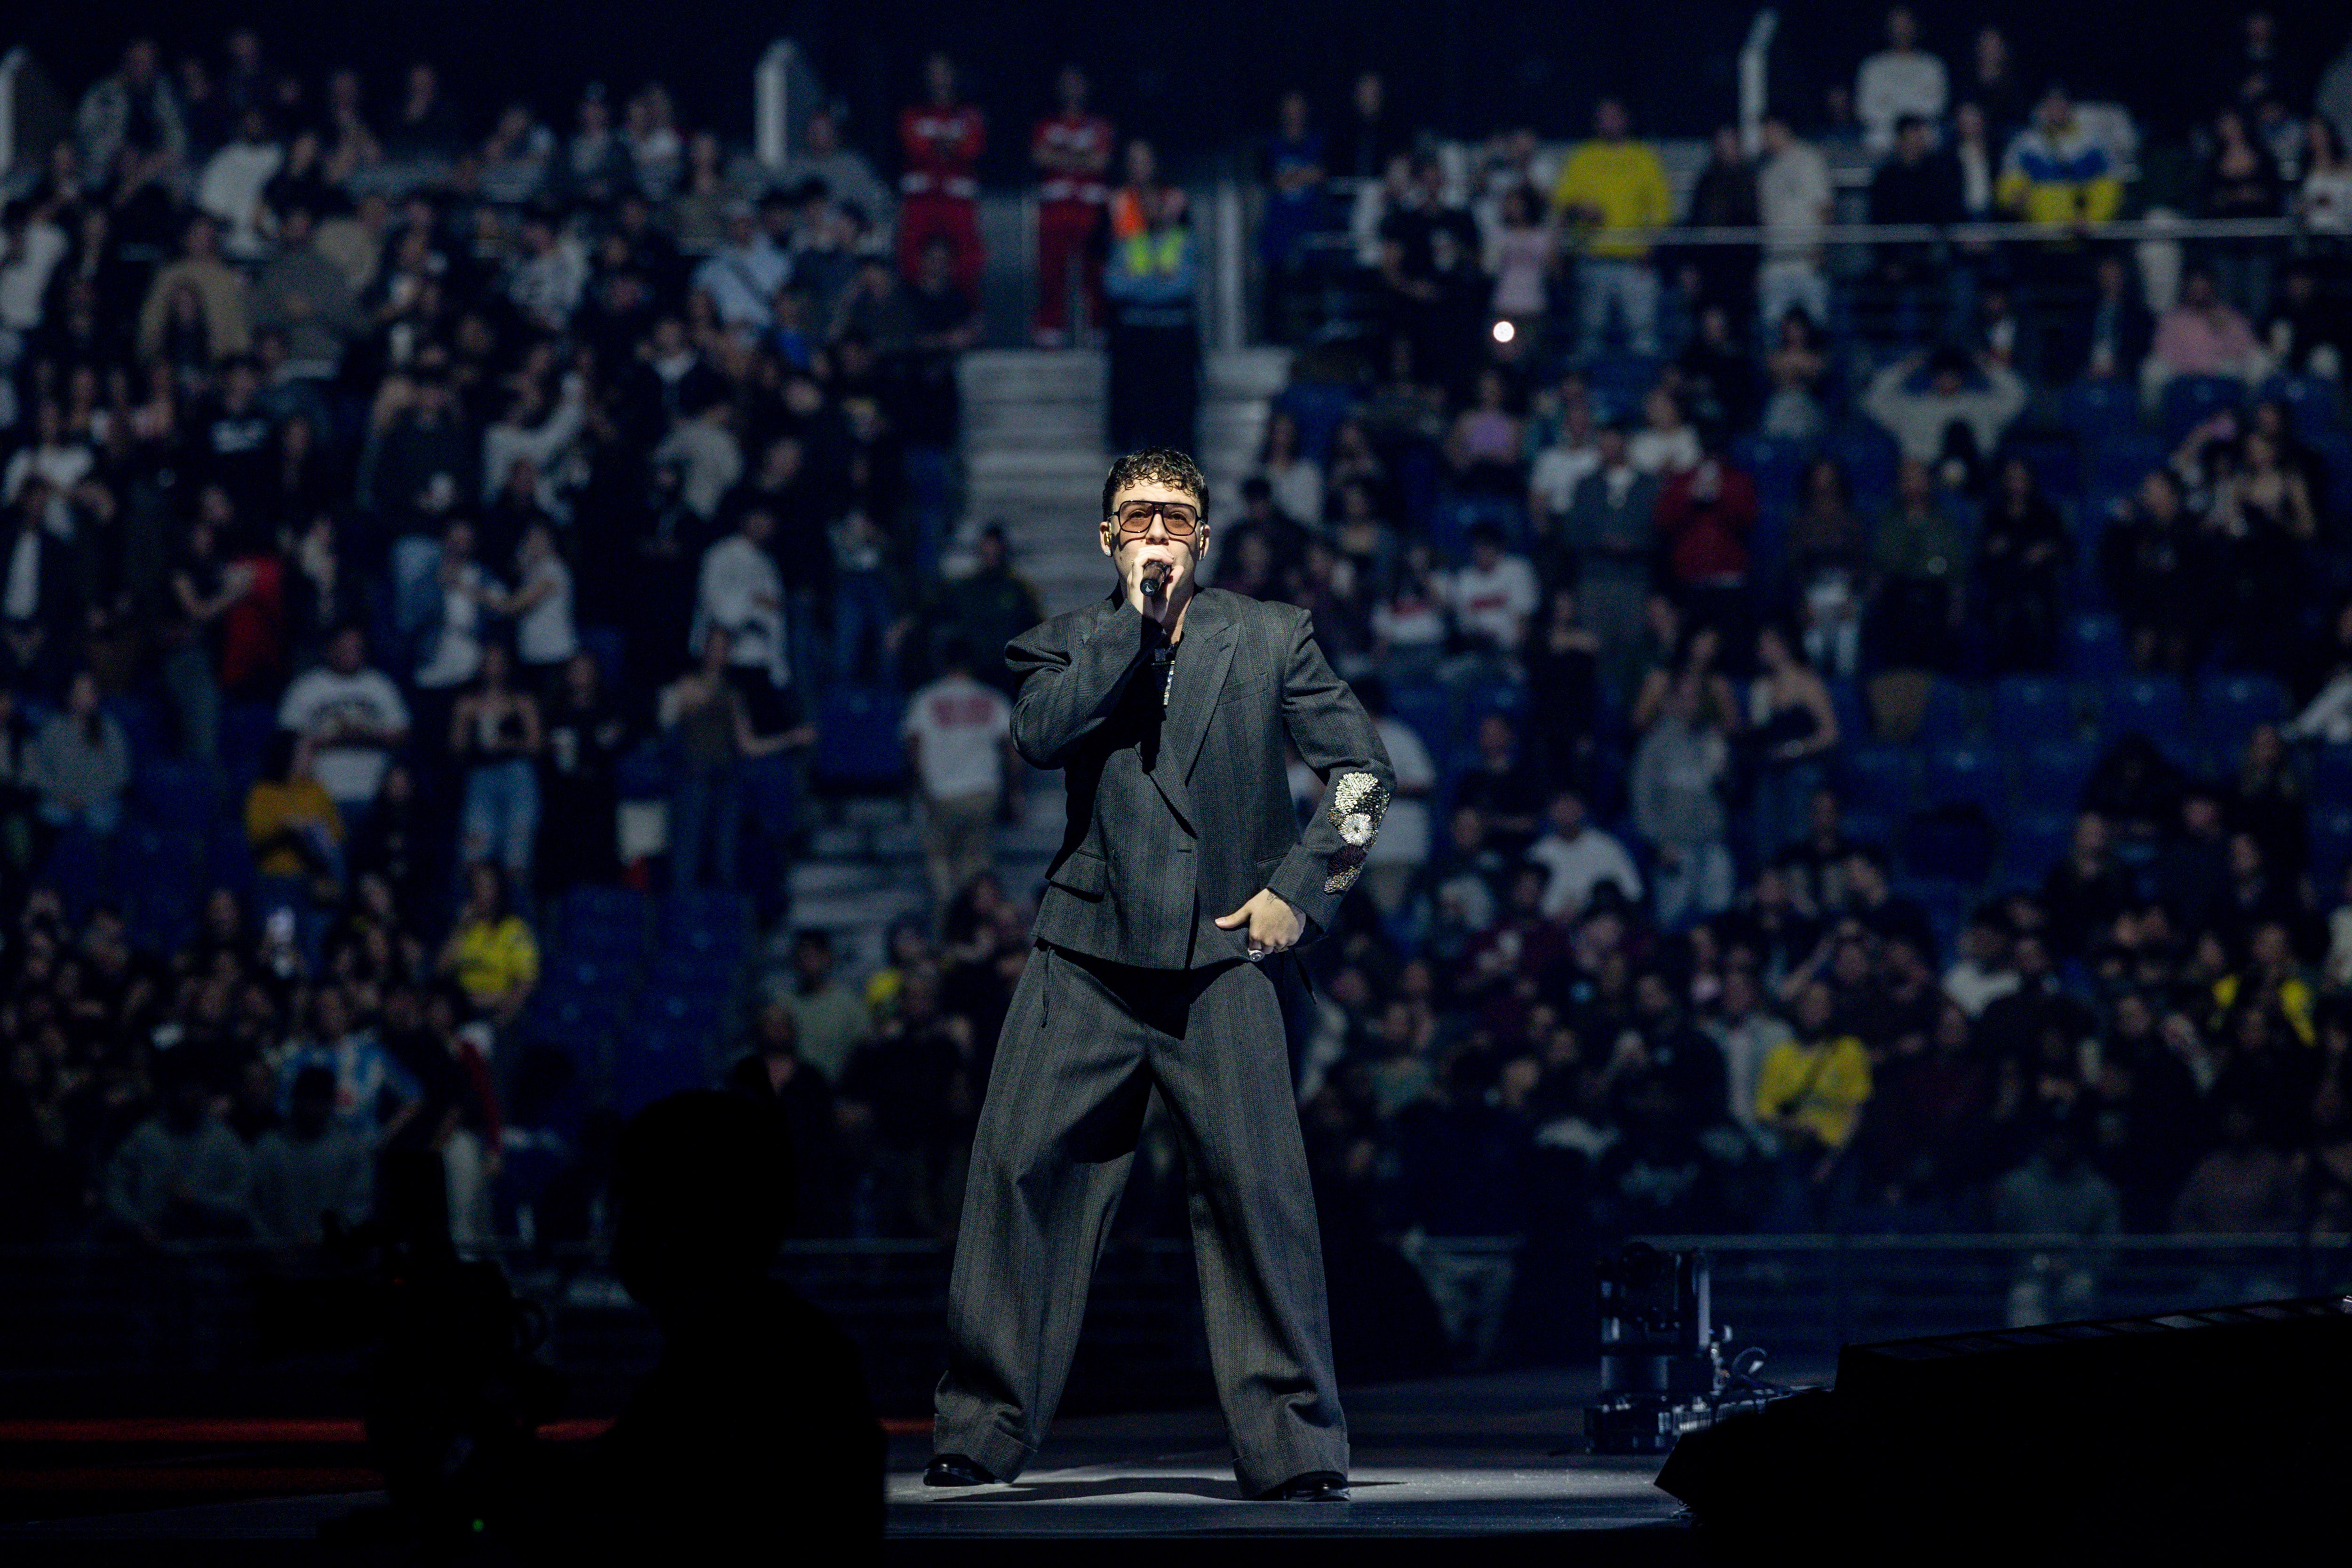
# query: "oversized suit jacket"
{"type": "Point", "coordinates": [1179, 815]}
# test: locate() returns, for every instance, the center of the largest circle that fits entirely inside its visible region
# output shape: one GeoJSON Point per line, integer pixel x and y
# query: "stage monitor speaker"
{"type": "Point", "coordinates": [2217, 1430]}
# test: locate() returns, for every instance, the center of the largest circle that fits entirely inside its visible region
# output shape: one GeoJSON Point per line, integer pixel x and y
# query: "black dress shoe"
{"type": "Point", "coordinates": [1315, 1485]}
{"type": "Point", "coordinates": [956, 1470]}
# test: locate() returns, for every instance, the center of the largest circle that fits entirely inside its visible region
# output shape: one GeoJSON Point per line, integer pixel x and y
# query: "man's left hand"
{"type": "Point", "coordinates": [1274, 924]}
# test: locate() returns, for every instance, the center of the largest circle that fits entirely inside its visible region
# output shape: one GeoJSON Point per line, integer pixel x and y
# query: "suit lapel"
{"type": "Point", "coordinates": [1201, 660]}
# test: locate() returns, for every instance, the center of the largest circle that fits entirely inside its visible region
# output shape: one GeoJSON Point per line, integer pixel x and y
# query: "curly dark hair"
{"type": "Point", "coordinates": [1165, 463]}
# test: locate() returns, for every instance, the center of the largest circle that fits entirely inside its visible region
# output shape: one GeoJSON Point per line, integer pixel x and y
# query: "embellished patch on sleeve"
{"type": "Point", "coordinates": [1359, 801]}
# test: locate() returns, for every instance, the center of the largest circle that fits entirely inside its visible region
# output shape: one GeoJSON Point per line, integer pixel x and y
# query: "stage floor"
{"type": "Point", "coordinates": [1436, 1463]}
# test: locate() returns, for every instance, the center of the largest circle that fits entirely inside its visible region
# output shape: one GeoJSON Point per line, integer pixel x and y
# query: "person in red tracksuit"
{"type": "Point", "coordinates": [942, 140]}
{"type": "Point", "coordinates": [1072, 151]}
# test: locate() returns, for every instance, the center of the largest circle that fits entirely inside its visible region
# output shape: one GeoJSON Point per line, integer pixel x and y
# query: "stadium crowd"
{"type": "Point", "coordinates": [1876, 709]}
{"type": "Point", "coordinates": [1872, 722]}
{"type": "Point", "coordinates": [392, 489]}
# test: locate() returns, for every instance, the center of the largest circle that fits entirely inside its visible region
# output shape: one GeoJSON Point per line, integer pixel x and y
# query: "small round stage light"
{"type": "Point", "coordinates": [1505, 332]}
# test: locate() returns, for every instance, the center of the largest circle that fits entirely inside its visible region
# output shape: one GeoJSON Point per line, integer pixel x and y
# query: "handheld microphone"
{"type": "Point", "coordinates": [1155, 580]}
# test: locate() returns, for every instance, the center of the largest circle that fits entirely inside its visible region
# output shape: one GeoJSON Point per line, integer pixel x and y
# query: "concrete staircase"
{"type": "Point", "coordinates": [1034, 451]}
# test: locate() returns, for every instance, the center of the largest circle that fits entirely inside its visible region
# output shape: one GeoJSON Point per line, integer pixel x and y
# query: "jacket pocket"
{"type": "Point", "coordinates": [1087, 875]}
{"type": "Point", "coordinates": [1242, 690]}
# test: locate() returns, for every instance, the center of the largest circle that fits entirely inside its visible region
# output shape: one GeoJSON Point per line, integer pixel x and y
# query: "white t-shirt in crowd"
{"type": "Point", "coordinates": [456, 656]}
{"type": "Point", "coordinates": [1559, 470]}
{"type": "Point", "coordinates": [2328, 200]}
{"type": "Point", "coordinates": [320, 701]}
{"type": "Point", "coordinates": [544, 633]}
{"type": "Point", "coordinates": [1890, 86]}
{"type": "Point", "coordinates": [1403, 837]}
{"type": "Point", "coordinates": [24, 275]}
{"type": "Point", "coordinates": [741, 590]}
{"type": "Point", "coordinates": [21, 599]}
{"type": "Point", "coordinates": [1579, 865]}
{"type": "Point", "coordinates": [1408, 620]}
{"type": "Point", "coordinates": [1493, 604]}
{"type": "Point", "coordinates": [1664, 452]}
{"type": "Point", "coordinates": [959, 728]}
{"type": "Point", "coordinates": [1792, 191]}
{"type": "Point", "coordinates": [1297, 492]}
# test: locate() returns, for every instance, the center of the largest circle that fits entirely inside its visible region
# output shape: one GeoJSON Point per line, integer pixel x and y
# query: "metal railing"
{"type": "Point", "coordinates": [1809, 1294]}
{"type": "Point", "coordinates": [111, 1311]}
{"type": "Point", "coordinates": [107, 1311]}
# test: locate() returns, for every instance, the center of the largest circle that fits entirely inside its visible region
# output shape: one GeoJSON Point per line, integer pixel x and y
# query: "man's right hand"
{"type": "Point", "coordinates": [1132, 564]}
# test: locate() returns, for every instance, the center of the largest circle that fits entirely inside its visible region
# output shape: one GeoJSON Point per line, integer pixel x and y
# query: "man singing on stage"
{"type": "Point", "coordinates": [1182, 872]}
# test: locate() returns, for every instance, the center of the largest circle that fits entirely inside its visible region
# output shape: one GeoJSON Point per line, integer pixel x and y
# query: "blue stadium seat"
{"type": "Point", "coordinates": [584, 975]}
{"type": "Point", "coordinates": [1953, 844]}
{"type": "Point", "coordinates": [2117, 466]}
{"type": "Point", "coordinates": [244, 731]}
{"type": "Point", "coordinates": [2232, 706]}
{"type": "Point", "coordinates": [1868, 456]}
{"type": "Point", "coordinates": [1320, 407]}
{"type": "Point", "coordinates": [2051, 776]}
{"type": "Point", "coordinates": [651, 1059]}
{"type": "Point", "coordinates": [228, 858]}
{"type": "Point", "coordinates": [679, 1009]}
{"type": "Point", "coordinates": [609, 648]}
{"type": "Point", "coordinates": [579, 1022]}
{"type": "Point", "coordinates": [145, 728]}
{"type": "Point", "coordinates": [1778, 467]}
{"type": "Point", "coordinates": [2334, 450]}
{"type": "Point", "coordinates": [1964, 775]}
{"type": "Point", "coordinates": [1508, 697]}
{"type": "Point", "coordinates": [2156, 706]}
{"type": "Point", "coordinates": [170, 793]}
{"type": "Point", "coordinates": [2101, 411]}
{"type": "Point", "coordinates": [772, 794]}
{"type": "Point", "coordinates": [155, 876]}
{"type": "Point", "coordinates": [1620, 381]}
{"type": "Point", "coordinates": [81, 866]}
{"type": "Point", "coordinates": [705, 921]}
{"type": "Point", "coordinates": [1852, 713]}
{"type": "Point", "coordinates": [857, 729]}
{"type": "Point", "coordinates": [2189, 399]}
{"type": "Point", "coordinates": [2331, 850]}
{"type": "Point", "coordinates": [2056, 465]}
{"type": "Point", "coordinates": [1877, 828]}
{"type": "Point", "coordinates": [2095, 647]}
{"type": "Point", "coordinates": [1948, 718]}
{"type": "Point", "coordinates": [1879, 780]}
{"type": "Point", "coordinates": [607, 920]}
{"type": "Point", "coordinates": [2033, 841]}
{"type": "Point", "coordinates": [2028, 709]}
{"type": "Point", "coordinates": [646, 770]}
{"type": "Point", "coordinates": [2331, 773]}
{"type": "Point", "coordinates": [706, 976]}
{"type": "Point", "coordinates": [2313, 404]}
{"type": "Point", "coordinates": [1428, 711]}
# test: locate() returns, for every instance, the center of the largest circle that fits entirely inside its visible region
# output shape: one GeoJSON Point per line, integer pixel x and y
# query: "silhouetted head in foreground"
{"type": "Point", "coordinates": [701, 1193]}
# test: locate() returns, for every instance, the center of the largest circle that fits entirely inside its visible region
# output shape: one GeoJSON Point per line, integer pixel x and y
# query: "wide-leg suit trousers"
{"type": "Point", "coordinates": [1084, 1043]}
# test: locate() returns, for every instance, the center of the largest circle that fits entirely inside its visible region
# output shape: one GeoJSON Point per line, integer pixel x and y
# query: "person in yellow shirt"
{"type": "Point", "coordinates": [291, 822]}
{"type": "Point", "coordinates": [491, 953]}
{"type": "Point", "coordinates": [1610, 185]}
{"type": "Point", "coordinates": [1810, 1093]}
{"type": "Point", "coordinates": [2271, 973]}
{"type": "Point", "coordinates": [2054, 174]}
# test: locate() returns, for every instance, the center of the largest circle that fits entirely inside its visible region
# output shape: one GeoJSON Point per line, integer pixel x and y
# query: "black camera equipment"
{"type": "Point", "coordinates": [1663, 1367]}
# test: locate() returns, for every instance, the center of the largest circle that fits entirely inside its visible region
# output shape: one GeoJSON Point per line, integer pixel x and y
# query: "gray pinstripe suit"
{"type": "Point", "coordinates": [1180, 810]}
